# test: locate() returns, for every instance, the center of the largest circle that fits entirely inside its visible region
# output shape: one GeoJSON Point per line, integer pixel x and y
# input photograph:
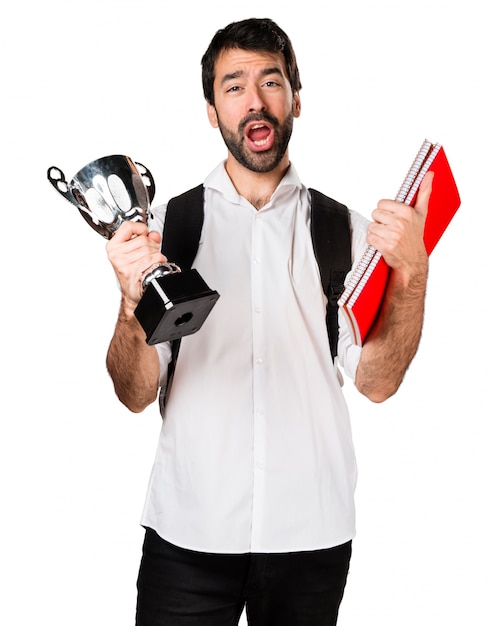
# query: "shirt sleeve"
{"type": "Point", "coordinates": [157, 218]}
{"type": "Point", "coordinates": [348, 352]}
{"type": "Point", "coordinates": [164, 355]}
{"type": "Point", "coordinates": [156, 222]}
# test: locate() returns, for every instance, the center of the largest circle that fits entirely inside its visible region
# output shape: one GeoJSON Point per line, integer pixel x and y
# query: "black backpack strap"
{"type": "Point", "coordinates": [331, 240]}
{"type": "Point", "coordinates": [181, 236]}
{"type": "Point", "coordinates": [183, 225]}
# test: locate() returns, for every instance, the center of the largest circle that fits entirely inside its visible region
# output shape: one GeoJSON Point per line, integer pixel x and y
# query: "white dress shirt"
{"type": "Point", "coordinates": [255, 452]}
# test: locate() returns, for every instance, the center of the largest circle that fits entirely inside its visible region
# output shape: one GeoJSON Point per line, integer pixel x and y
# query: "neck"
{"type": "Point", "coordinates": [256, 187]}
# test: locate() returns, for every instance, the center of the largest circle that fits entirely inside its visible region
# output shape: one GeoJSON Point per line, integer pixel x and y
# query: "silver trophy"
{"type": "Point", "coordinates": [115, 189]}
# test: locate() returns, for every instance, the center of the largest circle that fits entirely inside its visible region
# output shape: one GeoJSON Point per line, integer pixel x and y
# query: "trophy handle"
{"type": "Point", "coordinates": [58, 181]}
{"type": "Point", "coordinates": [147, 179]}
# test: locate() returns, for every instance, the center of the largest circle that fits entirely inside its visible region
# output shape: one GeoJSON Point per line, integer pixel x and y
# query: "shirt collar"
{"type": "Point", "coordinates": [219, 180]}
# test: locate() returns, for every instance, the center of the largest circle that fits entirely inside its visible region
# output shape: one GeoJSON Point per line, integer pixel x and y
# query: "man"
{"type": "Point", "coordinates": [250, 501]}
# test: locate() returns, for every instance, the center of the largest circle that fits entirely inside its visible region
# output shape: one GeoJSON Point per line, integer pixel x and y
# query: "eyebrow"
{"type": "Point", "coordinates": [239, 73]}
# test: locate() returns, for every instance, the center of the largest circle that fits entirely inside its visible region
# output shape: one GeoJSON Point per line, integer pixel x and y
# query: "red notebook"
{"type": "Point", "coordinates": [362, 297]}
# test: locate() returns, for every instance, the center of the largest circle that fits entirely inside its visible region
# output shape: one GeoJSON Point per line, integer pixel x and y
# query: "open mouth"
{"type": "Point", "coordinates": [259, 135]}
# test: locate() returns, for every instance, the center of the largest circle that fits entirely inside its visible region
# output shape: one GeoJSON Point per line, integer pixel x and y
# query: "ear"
{"type": "Point", "coordinates": [296, 104]}
{"type": "Point", "coordinates": [212, 115]}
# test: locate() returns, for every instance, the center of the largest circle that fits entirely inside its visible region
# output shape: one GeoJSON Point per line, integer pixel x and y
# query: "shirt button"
{"type": "Point", "coordinates": [259, 361]}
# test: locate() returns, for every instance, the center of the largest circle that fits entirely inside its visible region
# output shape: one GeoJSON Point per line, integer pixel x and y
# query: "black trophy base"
{"type": "Point", "coordinates": [174, 305]}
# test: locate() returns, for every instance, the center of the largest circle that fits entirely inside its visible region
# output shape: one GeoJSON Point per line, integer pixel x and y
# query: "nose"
{"type": "Point", "coordinates": [256, 102]}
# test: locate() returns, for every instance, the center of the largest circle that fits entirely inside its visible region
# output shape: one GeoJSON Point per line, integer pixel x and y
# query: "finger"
{"type": "Point", "coordinates": [424, 193]}
{"type": "Point", "coordinates": [155, 236]}
{"type": "Point", "coordinates": [386, 211]}
{"type": "Point", "coordinates": [130, 248]}
{"type": "Point", "coordinates": [127, 230]}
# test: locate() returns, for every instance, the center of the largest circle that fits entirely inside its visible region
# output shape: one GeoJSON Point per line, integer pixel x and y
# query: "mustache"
{"type": "Point", "coordinates": [258, 117]}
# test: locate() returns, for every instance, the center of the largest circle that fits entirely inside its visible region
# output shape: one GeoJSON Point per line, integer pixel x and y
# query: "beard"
{"type": "Point", "coordinates": [267, 160]}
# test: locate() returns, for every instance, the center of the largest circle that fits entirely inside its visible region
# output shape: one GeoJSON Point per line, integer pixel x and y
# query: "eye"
{"type": "Point", "coordinates": [272, 84]}
{"type": "Point", "coordinates": [233, 89]}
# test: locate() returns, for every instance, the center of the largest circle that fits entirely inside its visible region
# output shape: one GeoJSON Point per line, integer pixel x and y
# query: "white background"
{"type": "Point", "coordinates": [86, 79]}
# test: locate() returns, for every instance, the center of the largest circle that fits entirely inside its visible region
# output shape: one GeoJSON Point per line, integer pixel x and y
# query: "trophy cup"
{"type": "Point", "coordinates": [115, 189]}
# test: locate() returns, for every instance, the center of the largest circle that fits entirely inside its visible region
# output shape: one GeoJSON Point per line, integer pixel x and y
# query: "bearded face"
{"type": "Point", "coordinates": [260, 142]}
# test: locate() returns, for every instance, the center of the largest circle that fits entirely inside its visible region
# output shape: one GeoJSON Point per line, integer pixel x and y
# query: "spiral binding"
{"type": "Point", "coordinates": [406, 193]}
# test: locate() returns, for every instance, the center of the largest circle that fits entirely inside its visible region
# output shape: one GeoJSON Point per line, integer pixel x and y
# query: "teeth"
{"type": "Point", "coordinates": [259, 142]}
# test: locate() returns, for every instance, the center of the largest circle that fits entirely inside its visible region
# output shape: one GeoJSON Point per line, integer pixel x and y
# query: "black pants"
{"type": "Point", "coordinates": [178, 587]}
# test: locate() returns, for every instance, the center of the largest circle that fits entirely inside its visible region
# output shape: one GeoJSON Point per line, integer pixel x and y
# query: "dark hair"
{"type": "Point", "coordinates": [258, 35]}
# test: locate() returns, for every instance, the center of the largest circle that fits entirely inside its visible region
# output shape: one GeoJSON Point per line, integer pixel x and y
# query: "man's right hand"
{"type": "Point", "coordinates": [132, 250]}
